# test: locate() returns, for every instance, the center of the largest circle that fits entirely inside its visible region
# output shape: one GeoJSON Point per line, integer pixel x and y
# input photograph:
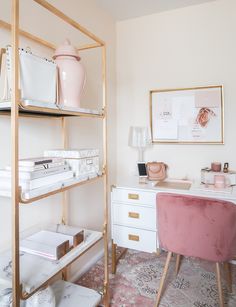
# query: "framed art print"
{"type": "Point", "coordinates": [190, 115]}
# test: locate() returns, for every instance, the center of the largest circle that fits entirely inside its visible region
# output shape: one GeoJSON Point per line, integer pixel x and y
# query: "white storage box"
{"type": "Point", "coordinates": [82, 162]}
{"type": "Point", "coordinates": [207, 177]}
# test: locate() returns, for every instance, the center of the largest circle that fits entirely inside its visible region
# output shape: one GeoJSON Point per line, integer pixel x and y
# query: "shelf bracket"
{"type": "Point", "coordinates": [104, 111]}
{"type": "Point", "coordinates": [104, 169]}
{"type": "Point", "coordinates": [105, 288]}
{"type": "Point", "coordinates": [104, 229]}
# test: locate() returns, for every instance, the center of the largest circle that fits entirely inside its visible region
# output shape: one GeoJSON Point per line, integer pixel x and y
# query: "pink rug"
{"type": "Point", "coordinates": [138, 275]}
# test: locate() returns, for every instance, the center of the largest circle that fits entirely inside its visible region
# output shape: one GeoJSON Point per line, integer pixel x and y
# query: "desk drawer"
{"type": "Point", "coordinates": [133, 238]}
{"type": "Point", "coordinates": [134, 197]}
{"type": "Point", "coordinates": [134, 216]}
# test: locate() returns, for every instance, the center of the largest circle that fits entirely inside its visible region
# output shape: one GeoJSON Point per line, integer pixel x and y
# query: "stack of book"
{"type": "Point", "coordinates": [54, 242]}
{"type": "Point", "coordinates": [36, 173]}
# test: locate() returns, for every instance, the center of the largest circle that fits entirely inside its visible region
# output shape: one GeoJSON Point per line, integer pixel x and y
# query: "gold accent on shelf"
{"type": "Point", "coordinates": [133, 238]}
{"type": "Point", "coordinates": [16, 289]}
{"type": "Point", "coordinates": [19, 108]}
{"type": "Point", "coordinates": [105, 171]}
{"type": "Point", "coordinates": [32, 111]}
{"type": "Point", "coordinates": [26, 295]}
{"type": "Point", "coordinates": [133, 196]}
{"type": "Point", "coordinates": [134, 215]}
{"type": "Point", "coordinates": [69, 20]}
{"type": "Point", "coordinates": [104, 229]}
{"type": "Point", "coordinates": [39, 40]}
{"type": "Point", "coordinates": [89, 46]}
{"type": "Point", "coordinates": [60, 190]}
{"type": "Point", "coordinates": [65, 195]}
{"type": "Point", "coordinates": [5, 25]}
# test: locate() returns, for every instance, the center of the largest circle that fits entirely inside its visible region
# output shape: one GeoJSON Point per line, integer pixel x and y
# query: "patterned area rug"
{"type": "Point", "coordinates": [138, 275]}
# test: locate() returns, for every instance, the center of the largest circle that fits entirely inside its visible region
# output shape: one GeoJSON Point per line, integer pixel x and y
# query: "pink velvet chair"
{"type": "Point", "coordinates": [196, 227]}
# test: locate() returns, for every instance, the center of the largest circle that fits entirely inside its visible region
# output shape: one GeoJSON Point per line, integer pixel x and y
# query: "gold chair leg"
{"type": "Point", "coordinates": [177, 264]}
{"type": "Point", "coordinates": [158, 251]}
{"type": "Point", "coordinates": [221, 298]}
{"type": "Point", "coordinates": [228, 276]}
{"type": "Point", "coordinates": [113, 258]}
{"type": "Point", "coordinates": [163, 278]}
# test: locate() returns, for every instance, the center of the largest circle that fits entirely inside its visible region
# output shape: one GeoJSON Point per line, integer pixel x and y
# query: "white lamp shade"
{"type": "Point", "coordinates": [139, 137]}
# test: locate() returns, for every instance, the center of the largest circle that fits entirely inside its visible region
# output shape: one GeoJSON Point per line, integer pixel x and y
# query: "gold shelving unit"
{"type": "Point", "coordinates": [18, 108]}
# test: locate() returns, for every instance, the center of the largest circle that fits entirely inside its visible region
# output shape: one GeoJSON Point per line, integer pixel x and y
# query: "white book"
{"type": "Point", "coordinates": [46, 244]}
{"type": "Point", "coordinates": [72, 153]}
{"type": "Point", "coordinates": [5, 183]}
{"type": "Point", "coordinates": [45, 161]}
{"type": "Point", "coordinates": [38, 167]}
{"type": "Point", "coordinates": [5, 173]}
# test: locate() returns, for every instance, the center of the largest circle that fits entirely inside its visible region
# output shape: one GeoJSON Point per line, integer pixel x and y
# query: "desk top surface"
{"type": "Point", "coordinates": [196, 188]}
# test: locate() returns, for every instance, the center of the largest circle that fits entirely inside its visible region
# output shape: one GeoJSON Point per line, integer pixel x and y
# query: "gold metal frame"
{"type": "Point", "coordinates": [16, 109]}
{"type": "Point", "coordinates": [154, 141]}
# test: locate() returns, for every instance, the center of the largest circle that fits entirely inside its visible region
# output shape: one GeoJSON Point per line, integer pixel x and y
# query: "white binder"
{"type": "Point", "coordinates": [38, 77]}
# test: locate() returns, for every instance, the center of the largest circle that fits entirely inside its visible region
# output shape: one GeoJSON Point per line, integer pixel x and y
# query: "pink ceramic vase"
{"type": "Point", "coordinates": [71, 75]}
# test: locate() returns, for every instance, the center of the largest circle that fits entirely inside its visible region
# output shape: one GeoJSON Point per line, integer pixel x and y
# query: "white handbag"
{"type": "Point", "coordinates": [38, 77]}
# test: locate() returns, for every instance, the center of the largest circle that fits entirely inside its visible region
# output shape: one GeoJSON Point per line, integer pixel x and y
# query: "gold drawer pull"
{"type": "Point", "coordinates": [133, 238]}
{"type": "Point", "coordinates": [134, 215]}
{"type": "Point", "coordinates": [133, 196]}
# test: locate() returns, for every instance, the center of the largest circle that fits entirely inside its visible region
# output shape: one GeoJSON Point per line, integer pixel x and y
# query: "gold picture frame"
{"type": "Point", "coordinates": [187, 115]}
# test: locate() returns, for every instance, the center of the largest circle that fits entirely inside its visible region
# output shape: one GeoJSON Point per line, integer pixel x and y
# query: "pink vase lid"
{"type": "Point", "coordinates": [66, 49]}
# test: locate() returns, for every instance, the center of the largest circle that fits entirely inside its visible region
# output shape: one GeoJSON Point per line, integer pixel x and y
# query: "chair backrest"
{"type": "Point", "coordinates": [197, 226]}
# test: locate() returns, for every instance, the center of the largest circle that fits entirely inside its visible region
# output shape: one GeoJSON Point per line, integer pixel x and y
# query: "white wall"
{"type": "Point", "coordinates": [86, 205]}
{"type": "Point", "coordinates": [193, 46]}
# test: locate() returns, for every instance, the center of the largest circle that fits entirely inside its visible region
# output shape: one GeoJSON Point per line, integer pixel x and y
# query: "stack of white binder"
{"type": "Point", "coordinates": [36, 173]}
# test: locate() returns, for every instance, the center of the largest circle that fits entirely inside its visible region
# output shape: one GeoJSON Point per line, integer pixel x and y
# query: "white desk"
{"type": "Point", "coordinates": [133, 213]}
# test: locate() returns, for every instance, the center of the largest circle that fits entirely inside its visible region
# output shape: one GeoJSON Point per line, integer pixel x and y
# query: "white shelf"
{"type": "Point", "coordinates": [58, 187]}
{"type": "Point", "coordinates": [36, 108]}
{"type": "Point", "coordinates": [35, 270]}
{"type": "Point", "coordinates": [71, 295]}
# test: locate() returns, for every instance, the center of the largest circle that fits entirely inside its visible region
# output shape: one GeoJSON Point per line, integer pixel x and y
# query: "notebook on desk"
{"type": "Point", "coordinates": [177, 185]}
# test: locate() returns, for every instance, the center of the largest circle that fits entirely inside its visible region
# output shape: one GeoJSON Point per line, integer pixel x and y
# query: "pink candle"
{"type": "Point", "coordinates": [219, 181]}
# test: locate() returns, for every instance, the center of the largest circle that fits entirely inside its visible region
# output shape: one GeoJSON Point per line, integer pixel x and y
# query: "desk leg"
{"type": "Point", "coordinates": [221, 298]}
{"type": "Point", "coordinates": [113, 258]}
{"type": "Point", "coordinates": [228, 276]}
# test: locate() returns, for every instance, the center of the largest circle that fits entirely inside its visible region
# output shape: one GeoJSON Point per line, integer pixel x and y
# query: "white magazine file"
{"type": "Point", "coordinates": [38, 77]}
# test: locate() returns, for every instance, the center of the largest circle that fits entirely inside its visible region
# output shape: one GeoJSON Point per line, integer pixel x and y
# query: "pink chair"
{"type": "Point", "coordinates": [196, 226]}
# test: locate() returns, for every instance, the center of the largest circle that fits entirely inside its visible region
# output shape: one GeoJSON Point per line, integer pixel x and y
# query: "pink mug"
{"type": "Point", "coordinates": [219, 181]}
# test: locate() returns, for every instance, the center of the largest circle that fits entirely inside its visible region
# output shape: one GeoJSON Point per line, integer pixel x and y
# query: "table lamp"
{"type": "Point", "coordinates": [139, 138]}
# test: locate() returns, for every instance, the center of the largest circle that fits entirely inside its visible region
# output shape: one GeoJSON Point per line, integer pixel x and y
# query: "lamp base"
{"type": "Point", "coordinates": [143, 180]}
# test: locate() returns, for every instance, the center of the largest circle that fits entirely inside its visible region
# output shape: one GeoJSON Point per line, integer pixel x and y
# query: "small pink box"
{"type": "Point", "coordinates": [219, 181]}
